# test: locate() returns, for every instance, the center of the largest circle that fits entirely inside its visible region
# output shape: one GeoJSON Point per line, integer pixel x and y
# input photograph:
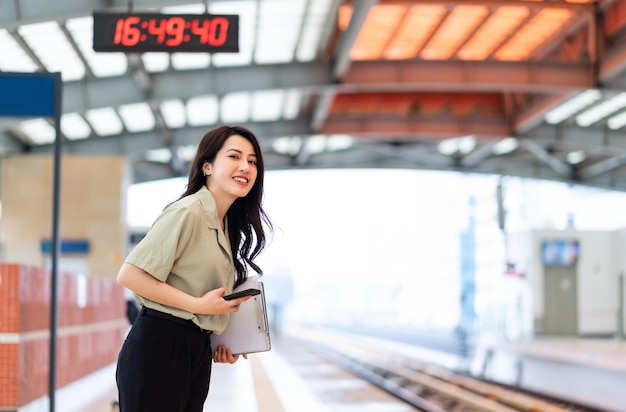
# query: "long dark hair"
{"type": "Point", "coordinates": [246, 217]}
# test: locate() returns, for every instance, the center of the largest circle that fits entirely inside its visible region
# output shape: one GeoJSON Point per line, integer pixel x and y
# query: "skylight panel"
{"type": "Point", "coordinates": [572, 106]}
{"type": "Point", "coordinates": [186, 153]}
{"type": "Point", "coordinates": [102, 64]}
{"type": "Point", "coordinates": [291, 107]}
{"type": "Point", "coordinates": [12, 56]}
{"type": "Point", "coordinates": [289, 145]}
{"type": "Point", "coordinates": [162, 155]}
{"type": "Point", "coordinates": [267, 105]}
{"type": "Point", "coordinates": [105, 121]}
{"type": "Point", "coordinates": [173, 112]}
{"type": "Point", "coordinates": [202, 110]}
{"type": "Point", "coordinates": [316, 144]}
{"type": "Point", "coordinates": [197, 8]}
{"type": "Point", "coordinates": [137, 117]}
{"type": "Point", "coordinates": [190, 61]}
{"type": "Point", "coordinates": [235, 107]}
{"type": "Point", "coordinates": [50, 45]}
{"type": "Point", "coordinates": [505, 146]}
{"type": "Point", "coordinates": [602, 110]}
{"type": "Point", "coordinates": [156, 62]}
{"type": "Point", "coordinates": [463, 145]}
{"type": "Point", "coordinates": [279, 27]}
{"type": "Point", "coordinates": [316, 18]}
{"type": "Point", "coordinates": [338, 142]}
{"type": "Point", "coordinates": [74, 127]}
{"type": "Point", "coordinates": [247, 11]}
{"type": "Point", "coordinates": [39, 130]}
{"type": "Point", "coordinates": [617, 121]}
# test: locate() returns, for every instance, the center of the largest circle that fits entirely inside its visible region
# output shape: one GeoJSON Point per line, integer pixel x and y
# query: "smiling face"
{"type": "Point", "coordinates": [233, 172]}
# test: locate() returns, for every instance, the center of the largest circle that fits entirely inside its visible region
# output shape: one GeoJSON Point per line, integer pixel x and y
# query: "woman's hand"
{"type": "Point", "coordinates": [142, 283]}
{"type": "Point", "coordinates": [224, 355]}
{"type": "Point", "coordinates": [212, 303]}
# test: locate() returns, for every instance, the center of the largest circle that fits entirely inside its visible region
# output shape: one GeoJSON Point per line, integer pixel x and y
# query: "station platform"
{"type": "Point", "coordinates": [290, 378]}
{"type": "Point", "coordinates": [591, 372]}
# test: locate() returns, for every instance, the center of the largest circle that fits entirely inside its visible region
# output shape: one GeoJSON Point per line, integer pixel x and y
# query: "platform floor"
{"type": "Point", "coordinates": [291, 378]}
{"type": "Point", "coordinates": [590, 372]}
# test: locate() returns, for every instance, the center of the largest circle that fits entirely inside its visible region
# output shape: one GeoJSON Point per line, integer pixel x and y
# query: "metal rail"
{"type": "Point", "coordinates": [426, 387]}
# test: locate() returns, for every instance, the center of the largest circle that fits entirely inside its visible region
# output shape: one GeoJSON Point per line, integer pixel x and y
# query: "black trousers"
{"type": "Point", "coordinates": [164, 365]}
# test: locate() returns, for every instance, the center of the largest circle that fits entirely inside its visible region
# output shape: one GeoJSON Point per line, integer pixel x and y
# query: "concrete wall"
{"type": "Point", "coordinates": [92, 208]}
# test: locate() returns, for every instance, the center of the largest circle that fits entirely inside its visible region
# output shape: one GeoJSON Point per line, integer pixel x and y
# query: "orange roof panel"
{"type": "Point", "coordinates": [544, 25]}
{"type": "Point", "coordinates": [504, 21]}
{"type": "Point", "coordinates": [379, 26]}
{"type": "Point", "coordinates": [414, 30]}
{"type": "Point", "coordinates": [457, 27]}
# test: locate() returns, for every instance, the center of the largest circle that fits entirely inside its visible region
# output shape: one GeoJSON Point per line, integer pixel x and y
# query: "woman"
{"type": "Point", "coordinates": [196, 251]}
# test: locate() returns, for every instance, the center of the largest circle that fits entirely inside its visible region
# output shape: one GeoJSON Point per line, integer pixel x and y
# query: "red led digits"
{"type": "Point", "coordinates": [219, 31]}
{"type": "Point", "coordinates": [126, 33]}
{"type": "Point", "coordinates": [201, 31]}
{"type": "Point", "coordinates": [213, 32]}
{"type": "Point", "coordinates": [157, 29]}
{"type": "Point", "coordinates": [152, 32]}
{"type": "Point", "coordinates": [176, 28]}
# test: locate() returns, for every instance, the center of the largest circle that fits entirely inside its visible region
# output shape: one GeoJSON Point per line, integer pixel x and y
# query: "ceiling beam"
{"type": "Point", "coordinates": [362, 77]}
{"type": "Point", "coordinates": [470, 76]}
{"type": "Point", "coordinates": [136, 144]}
{"type": "Point", "coordinates": [534, 115]}
{"type": "Point", "coordinates": [349, 36]}
{"type": "Point", "coordinates": [542, 154]}
{"type": "Point", "coordinates": [416, 128]}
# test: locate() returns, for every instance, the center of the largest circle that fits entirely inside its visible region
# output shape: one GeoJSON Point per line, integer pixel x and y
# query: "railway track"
{"type": "Point", "coordinates": [426, 387]}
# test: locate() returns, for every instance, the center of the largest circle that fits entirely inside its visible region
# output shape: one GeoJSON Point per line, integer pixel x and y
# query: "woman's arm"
{"type": "Point", "coordinates": [144, 284]}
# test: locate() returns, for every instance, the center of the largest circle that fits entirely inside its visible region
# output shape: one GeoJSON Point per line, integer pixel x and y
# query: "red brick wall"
{"type": "Point", "coordinates": [88, 338]}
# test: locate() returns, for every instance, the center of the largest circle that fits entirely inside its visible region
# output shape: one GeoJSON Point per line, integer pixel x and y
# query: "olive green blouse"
{"type": "Point", "coordinates": [186, 248]}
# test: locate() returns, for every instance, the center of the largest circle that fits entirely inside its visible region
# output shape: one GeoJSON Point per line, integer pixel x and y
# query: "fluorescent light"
{"type": "Point", "coordinates": [39, 130]}
{"type": "Point", "coordinates": [291, 109]}
{"type": "Point", "coordinates": [576, 157]}
{"type": "Point", "coordinates": [288, 145]}
{"type": "Point", "coordinates": [572, 106]}
{"type": "Point", "coordinates": [155, 62]}
{"type": "Point", "coordinates": [74, 126]}
{"type": "Point", "coordinates": [105, 121]}
{"type": "Point", "coordinates": [267, 105]}
{"type": "Point", "coordinates": [173, 112]}
{"type": "Point", "coordinates": [505, 146]}
{"type": "Point", "coordinates": [202, 110]}
{"type": "Point", "coordinates": [186, 153]}
{"type": "Point", "coordinates": [279, 25]}
{"type": "Point", "coordinates": [247, 12]}
{"type": "Point", "coordinates": [316, 144]}
{"type": "Point", "coordinates": [137, 117]}
{"type": "Point", "coordinates": [337, 142]}
{"type": "Point", "coordinates": [190, 61]}
{"type": "Point", "coordinates": [162, 155]}
{"type": "Point", "coordinates": [312, 31]}
{"type": "Point", "coordinates": [602, 110]}
{"type": "Point", "coordinates": [12, 56]}
{"type": "Point", "coordinates": [463, 145]}
{"type": "Point", "coordinates": [50, 45]}
{"type": "Point", "coordinates": [617, 121]}
{"type": "Point", "coordinates": [101, 64]}
{"type": "Point", "coordinates": [235, 108]}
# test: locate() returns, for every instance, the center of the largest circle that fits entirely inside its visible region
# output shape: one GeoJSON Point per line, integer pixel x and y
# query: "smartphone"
{"type": "Point", "coordinates": [242, 293]}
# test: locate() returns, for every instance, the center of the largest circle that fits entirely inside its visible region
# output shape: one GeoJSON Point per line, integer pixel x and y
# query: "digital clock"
{"type": "Point", "coordinates": [154, 32]}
